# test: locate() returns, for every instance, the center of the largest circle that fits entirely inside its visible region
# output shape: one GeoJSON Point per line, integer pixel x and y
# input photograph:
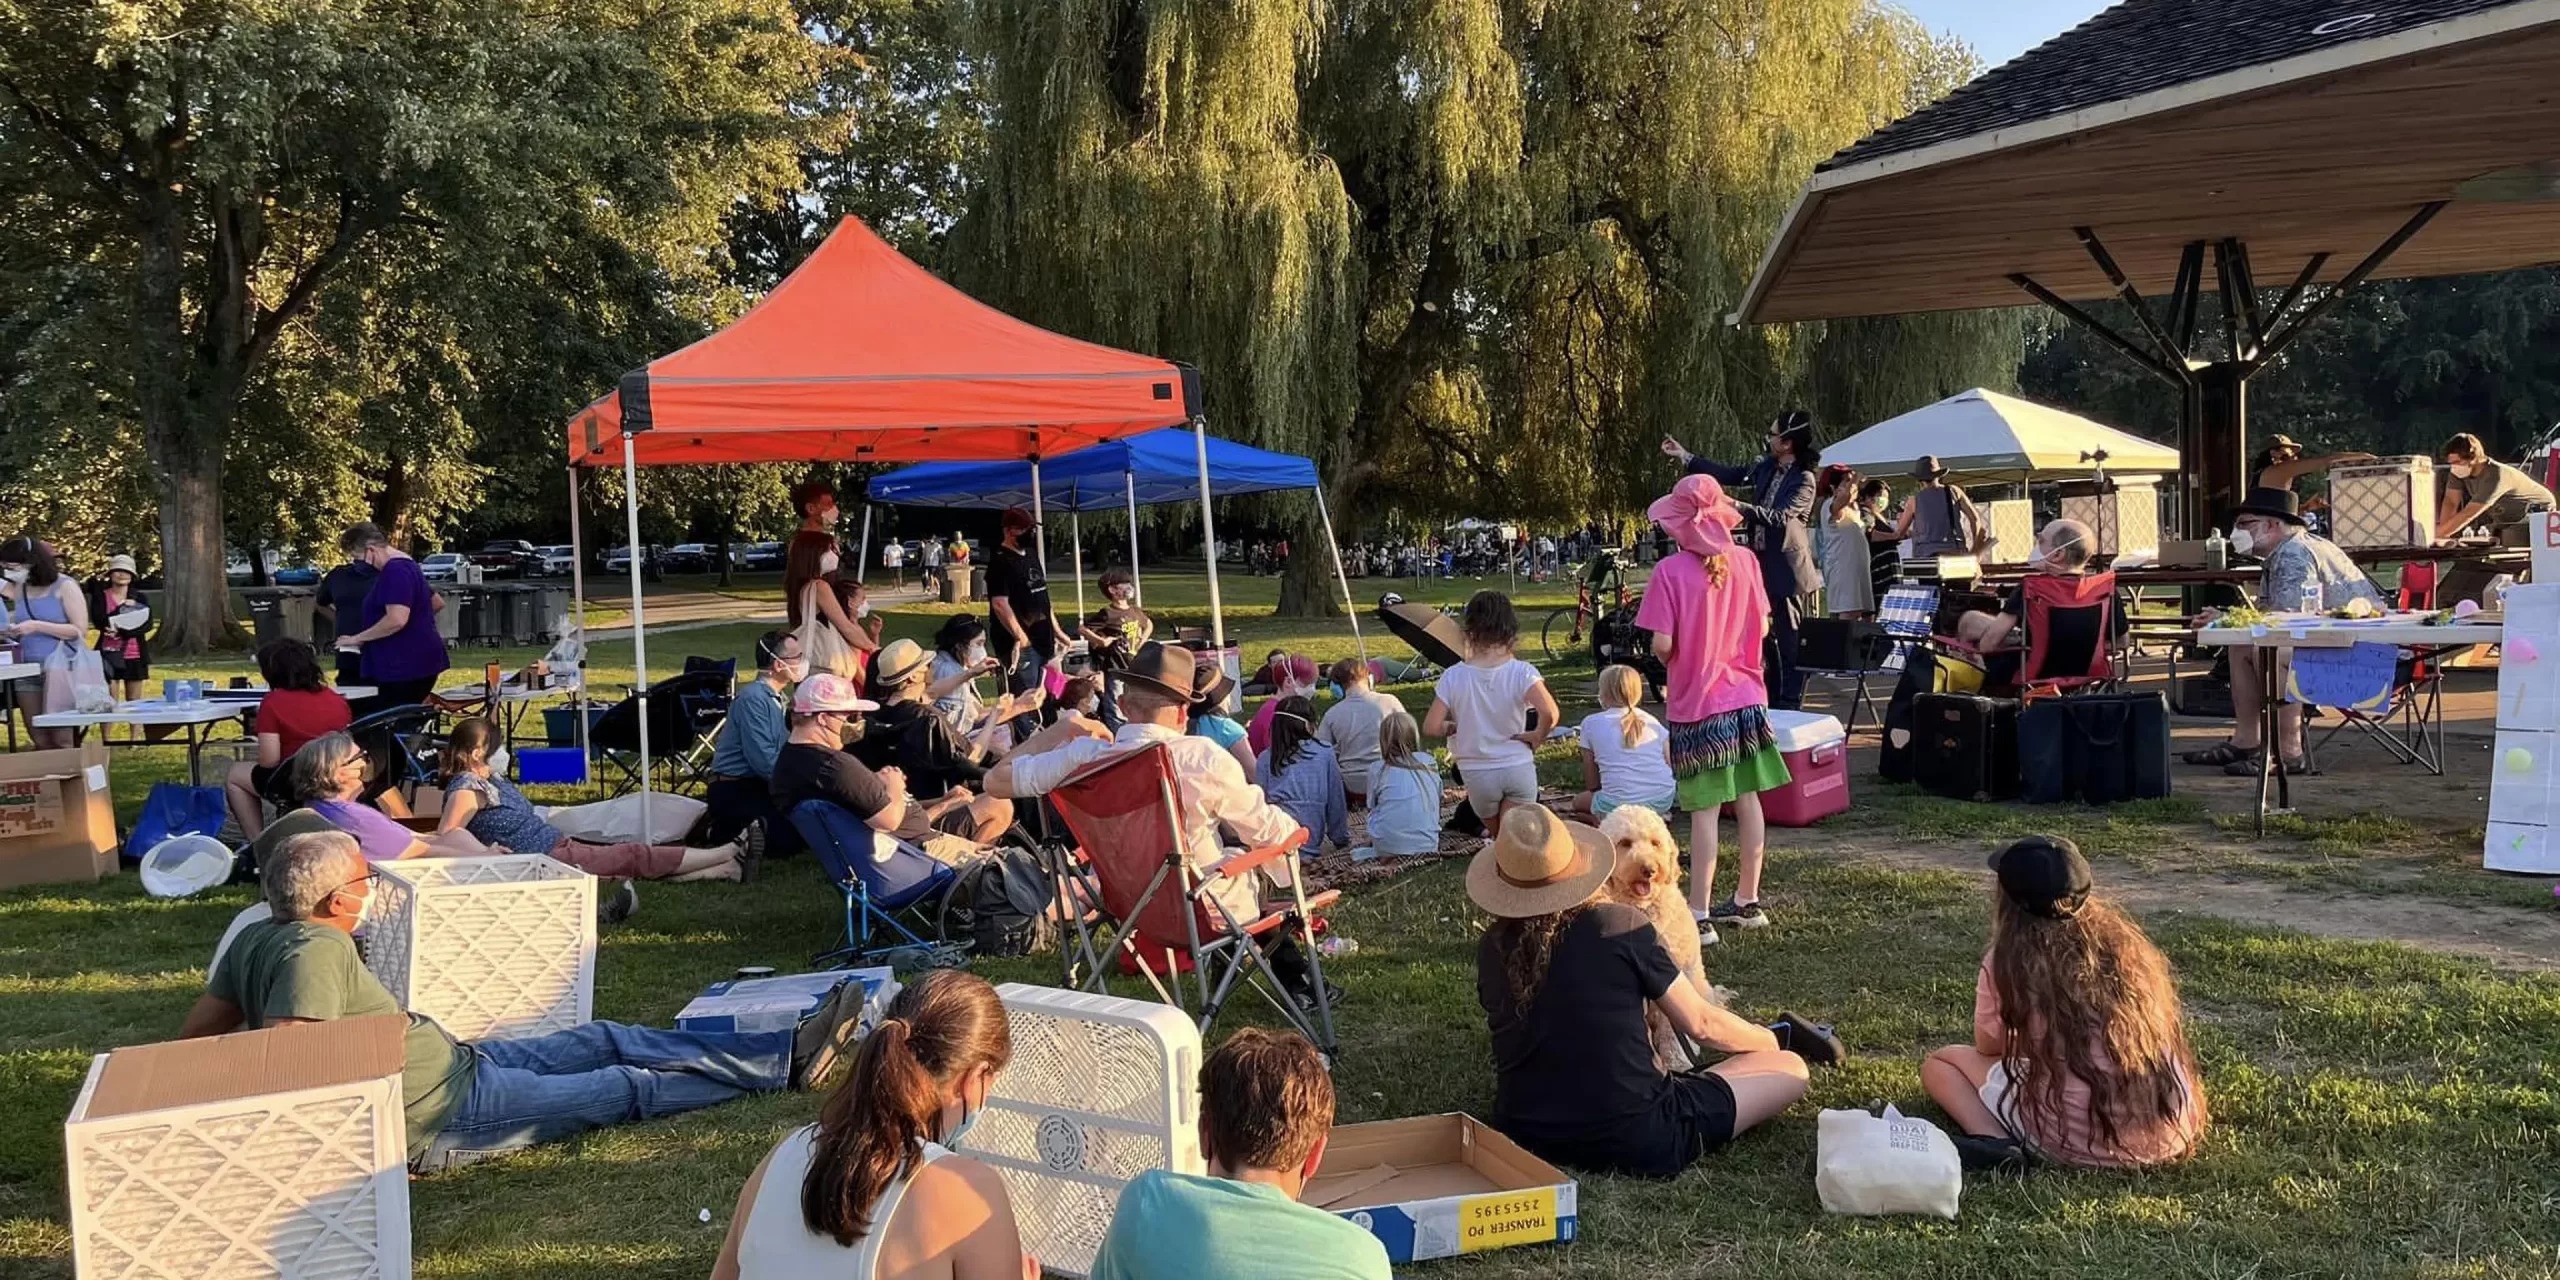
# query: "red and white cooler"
{"type": "Point", "coordinates": [1817, 752]}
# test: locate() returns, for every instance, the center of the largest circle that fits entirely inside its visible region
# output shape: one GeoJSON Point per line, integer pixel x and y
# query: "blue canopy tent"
{"type": "Point", "coordinates": [1172, 464]}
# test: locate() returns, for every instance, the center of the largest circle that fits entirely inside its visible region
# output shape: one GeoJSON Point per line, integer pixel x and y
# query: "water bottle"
{"type": "Point", "coordinates": [1335, 946]}
{"type": "Point", "coordinates": [2310, 602]}
{"type": "Point", "coordinates": [2217, 551]}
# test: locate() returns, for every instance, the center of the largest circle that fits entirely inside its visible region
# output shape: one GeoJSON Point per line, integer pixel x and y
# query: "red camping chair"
{"type": "Point", "coordinates": [1125, 812]}
{"type": "Point", "coordinates": [2043, 666]}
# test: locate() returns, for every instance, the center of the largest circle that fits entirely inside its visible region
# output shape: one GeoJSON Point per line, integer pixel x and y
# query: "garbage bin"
{"type": "Point", "coordinates": [524, 623]}
{"type": "Point", "coordinates": [448, 618]}
{"type": "Point", "coordinates": [956, 581]}
{"type": "Point", "coordinates": [298, 615]}
{"type": "Point", "coordinates": [550, 604]}
{"type": "Point", "coordinates": [266, 613]}
{"type": "Point", "coordinates": [470, 608]}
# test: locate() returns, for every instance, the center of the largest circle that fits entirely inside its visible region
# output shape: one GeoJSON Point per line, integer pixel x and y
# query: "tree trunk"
{"type": "Point", "coordinates": [728, 522]}
{"type": "Point", "coordinates": [194, 603]}
{"type": "Point", "coordinates": [186, 398]}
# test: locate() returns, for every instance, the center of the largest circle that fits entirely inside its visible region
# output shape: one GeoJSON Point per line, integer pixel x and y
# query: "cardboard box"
{"type": "Point", "coordinates": [57, 820]}
{"type": "Point", "coordinates": [267, 1153]}
{"type": "Point", "coordinates": [1439, 1186]}
{"type": "Point", "coordinates": [778, 1003]}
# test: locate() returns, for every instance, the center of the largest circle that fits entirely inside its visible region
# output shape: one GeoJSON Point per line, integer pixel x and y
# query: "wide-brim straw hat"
{"type": "Point", "coordinates": [898, 661]}
{"type": "Point", "coordinates": [1540, 864]}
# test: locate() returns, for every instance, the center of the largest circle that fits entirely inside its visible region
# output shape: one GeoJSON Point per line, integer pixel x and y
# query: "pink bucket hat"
{"type": "Point", "coordinates": [1697, 515]}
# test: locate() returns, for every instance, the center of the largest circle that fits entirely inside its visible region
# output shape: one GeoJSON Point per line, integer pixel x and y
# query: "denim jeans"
{"type": "Point", "coordinates": [604, 1073]}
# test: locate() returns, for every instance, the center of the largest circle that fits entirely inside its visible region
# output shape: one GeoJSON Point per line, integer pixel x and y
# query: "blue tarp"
{"type": "Point", "coordinates": [1163, 464]}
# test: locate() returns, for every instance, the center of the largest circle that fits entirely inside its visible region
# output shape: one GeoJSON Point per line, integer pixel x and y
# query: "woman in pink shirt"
{"type": "Point", "coordinates": [2079, 1052]}
{"type": "Point", "coordinates": [1708, 611]}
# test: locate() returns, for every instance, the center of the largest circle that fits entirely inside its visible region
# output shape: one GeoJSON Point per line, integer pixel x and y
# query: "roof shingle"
{"type": "Point", "coordinates": [2139, 47]}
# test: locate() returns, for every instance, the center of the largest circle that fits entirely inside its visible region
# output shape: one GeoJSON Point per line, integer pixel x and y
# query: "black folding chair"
{"type": "Point", "coordinates": [684, 717]}
{"type": "Point", "coordinates": [402, 746]}
{"type": "Point", "coordinates": [1845, 649]}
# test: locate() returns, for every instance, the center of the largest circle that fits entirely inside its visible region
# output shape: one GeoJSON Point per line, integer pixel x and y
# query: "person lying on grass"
{"type": "Point", "coordinates": [460, 1099]}
{"type": "Point", "coordinates": [328, 777]}
{"type": "Point", "coordinates": [479, 799]}
{"type": "Point", "coordinates": [2078, 1055]}
{"type": "Point", "coordinates": [1565, 980]}
{"type": "Point", "coordinates": [1266, 1108]}
{"type": "Point", "coordinates": [873, 1189]}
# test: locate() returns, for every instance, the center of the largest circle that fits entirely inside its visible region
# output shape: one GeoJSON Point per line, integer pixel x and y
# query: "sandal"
{"type": "Point", "coordinates": [2248, 766]}
{"type": "Point", "coordinates": [2221, 753]}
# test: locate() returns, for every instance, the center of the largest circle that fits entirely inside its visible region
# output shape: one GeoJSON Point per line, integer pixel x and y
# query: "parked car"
{"type": "Point", "coordinates": [762, 555]}
{"type": "Point", "coordinates": [557, 561]}
{"type": "Point", "coordinates": [689, 557]}
{"type": "Point", "coordinates": [618, 560]}
{"type": "Point", "coordinates": [443, 566]}
{"type": "Point", "coordinates": [507, 558]}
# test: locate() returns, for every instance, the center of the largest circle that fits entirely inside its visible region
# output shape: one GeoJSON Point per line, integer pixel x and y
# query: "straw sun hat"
{"type": "Point", "coordinates": [1540, 864]}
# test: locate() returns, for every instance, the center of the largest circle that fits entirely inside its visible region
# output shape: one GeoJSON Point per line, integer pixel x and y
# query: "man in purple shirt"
{"type": "Point", "coordinates": [403, 651]}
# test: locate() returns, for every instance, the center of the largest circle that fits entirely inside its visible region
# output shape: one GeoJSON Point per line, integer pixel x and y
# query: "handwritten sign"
{"type": "Point", "coordinates": [1505, 1219]}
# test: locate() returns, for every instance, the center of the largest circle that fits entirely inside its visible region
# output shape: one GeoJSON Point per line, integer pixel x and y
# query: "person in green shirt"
{"type": "Point", "coordinates": [1266, 1106]}
{"type": "Point", "coordinates": [301, 965]}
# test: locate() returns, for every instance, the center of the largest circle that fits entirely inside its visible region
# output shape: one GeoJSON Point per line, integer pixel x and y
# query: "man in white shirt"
{"type": "Point", "coordinates": [1155, 704]}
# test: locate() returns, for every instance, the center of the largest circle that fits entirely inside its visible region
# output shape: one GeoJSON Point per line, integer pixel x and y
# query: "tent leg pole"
{"type": "Point", "coordinates": [1075, 547]}
{"type": "Point", "coordinates": [862, 558]}
{"type": "Point", "coordinates": [639, 623]}
{"type": "Point", "coordinates": [1137, 582]}
{"type": "Point", "coordinates": [578, 603]}
{"type": "Point", "coordinates": [1209, 532]}
{"type": "Point", "coordinates": [1340, 578]}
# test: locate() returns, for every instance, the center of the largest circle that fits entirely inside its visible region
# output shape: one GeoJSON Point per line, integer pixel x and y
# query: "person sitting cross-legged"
{"type": "Point", "coordinates": [813, 765]}
{"type": "Point", "coordinates": [1266, 1107]}
{"type": "Point", "coordinates": [1156, 693]}
{"type": "Point", "coordinates": [301, 965]}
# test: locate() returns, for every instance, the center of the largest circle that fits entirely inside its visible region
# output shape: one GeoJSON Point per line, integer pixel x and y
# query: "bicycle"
{"type": "Point", "coordinates": [1566, 629]}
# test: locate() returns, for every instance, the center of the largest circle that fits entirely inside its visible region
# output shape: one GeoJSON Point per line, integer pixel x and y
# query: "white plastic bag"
{"type": "Point", "coordinates": [1870, 1165]}
{"type": "Point", "coordinates": [89, 692]}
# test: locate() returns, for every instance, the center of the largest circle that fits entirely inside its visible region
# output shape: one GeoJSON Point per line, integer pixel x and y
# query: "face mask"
{"type": "Point", "coordinates": [789, 670]}
{"type": "Point", "coordinates": [17, 577]}
{"type": "Point", "coordinates": [863, 611]}
{"type": "Point", "coordinates": [498, 760]}
{"type": "Point", "coordinates": [968, 1121]}
{"type": "Point", "coordinates": [2463, 470]}
{"type": "Point", "coordinates": [827, 563]}
{"type": "Point", "coordinates": [1089, 706]}
{"type": "Point", "coordinates": [977, 651]}
{"type": "Point", "coordinates": [1333, 687]}
{"type": "Point", "coordinates": [2241, 541]}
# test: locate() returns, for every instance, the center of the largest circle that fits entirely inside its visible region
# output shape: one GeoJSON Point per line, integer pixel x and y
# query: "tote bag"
{"type": "Point", "coordinates": [820, 642]}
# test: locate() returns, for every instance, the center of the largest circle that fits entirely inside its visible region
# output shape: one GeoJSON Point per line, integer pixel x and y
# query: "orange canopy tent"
{"type": "Point", "coordinates": [860, 355]}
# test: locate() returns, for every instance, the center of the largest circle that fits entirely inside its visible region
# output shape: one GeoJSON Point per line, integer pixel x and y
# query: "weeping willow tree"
{"type": "Point", "coordinates": [1473, 256]}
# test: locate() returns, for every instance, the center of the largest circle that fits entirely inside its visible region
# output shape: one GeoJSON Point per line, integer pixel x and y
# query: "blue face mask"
{"type": "Point", "coordinates": [968, 1121]}
{"type": "Point", "coordinates": [1334, 687]}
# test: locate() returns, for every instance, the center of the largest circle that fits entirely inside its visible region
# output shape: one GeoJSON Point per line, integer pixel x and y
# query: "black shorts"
{"type": "Point", "coordinates": [119, 667]}
{"type": "Point", "coordinates": [1694, 1118]}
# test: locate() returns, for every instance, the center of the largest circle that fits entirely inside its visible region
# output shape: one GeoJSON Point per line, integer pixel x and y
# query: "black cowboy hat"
{"type": "Point", "coordinates": [2276, 504]}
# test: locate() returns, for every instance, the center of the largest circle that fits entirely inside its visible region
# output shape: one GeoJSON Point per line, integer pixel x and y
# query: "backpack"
{"type": "Point", "coordinates": [1002, 905]}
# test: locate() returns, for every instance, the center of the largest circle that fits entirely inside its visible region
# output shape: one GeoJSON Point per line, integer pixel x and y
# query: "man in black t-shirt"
{"type": "Point", "coordinates": [813, 765]}
{"type": "Point", "coordinates": [1018, 612]}
{"type": "Point", "coordinates": [342, 593]}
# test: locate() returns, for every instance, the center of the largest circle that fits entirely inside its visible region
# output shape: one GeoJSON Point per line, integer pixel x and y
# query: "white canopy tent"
{"type": "Point", "coordinates": [1984, 435]}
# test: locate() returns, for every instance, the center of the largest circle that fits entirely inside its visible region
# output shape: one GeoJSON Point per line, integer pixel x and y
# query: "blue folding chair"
{"type": "Point", "coordinates": [883, 878]}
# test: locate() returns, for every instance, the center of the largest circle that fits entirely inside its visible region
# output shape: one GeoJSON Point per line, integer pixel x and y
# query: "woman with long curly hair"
{"type": "Point", "coordinates": [2079, 1051]}
{"type": "Point", "coordinates": [1565, 981]}
{"type": "Point", "coordinates": [873, 1191]}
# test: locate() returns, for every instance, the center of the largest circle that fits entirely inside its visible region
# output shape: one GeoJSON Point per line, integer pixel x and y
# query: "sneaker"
{"type": "Point", "coordinates": [619, 900]}
{"type": "Point", "coordinates": [1741, 915]}
{"type": "Point", "coordinates": [750, 850]}
{"type": "Point", "coordinates": [822, 1046]}
{"type": "Point", "coordinates": [1706, 932]}
{"type": "Point", "coordinates": [1811, 1041]}
{"type": "Point", "coordinates": [1979, 1154]}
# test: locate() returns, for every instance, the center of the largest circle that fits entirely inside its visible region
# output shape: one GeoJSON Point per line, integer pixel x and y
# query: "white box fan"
{"type": "Point", "coordinates": [1100, 1090]}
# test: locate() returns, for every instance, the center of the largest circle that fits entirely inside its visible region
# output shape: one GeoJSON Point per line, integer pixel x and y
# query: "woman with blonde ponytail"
{"type": "Point", "coordinates": [873, 1190]}
{"type": "Point", "coordinates": [1626, 753]}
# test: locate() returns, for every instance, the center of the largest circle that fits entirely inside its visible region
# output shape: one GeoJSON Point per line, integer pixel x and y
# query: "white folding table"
{"type": "Point", "coordinates": [10, 674]}
{"type": "Point", "coordinates": [195, 718]}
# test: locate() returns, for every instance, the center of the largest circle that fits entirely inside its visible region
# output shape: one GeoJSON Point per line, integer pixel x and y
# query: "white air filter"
{"type": "Point", "coordinates": [500, 948]}
{"type": "Point", "coordinates": [2385, 503]}
{"type": "Point", "coordinates": [1100, 1090]}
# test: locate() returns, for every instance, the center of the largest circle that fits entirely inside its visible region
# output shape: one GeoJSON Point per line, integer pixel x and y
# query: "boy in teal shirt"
{"type": "Point", "coordinates": [1266, 1106]}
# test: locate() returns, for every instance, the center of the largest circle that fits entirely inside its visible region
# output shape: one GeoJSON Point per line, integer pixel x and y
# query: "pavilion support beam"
{"type": "Point", "coordinates": [2172, 356]}
{"type": "Point", "coordinates": [2185, 294]}
{"type": "Point", "coordinates": [2245, 282]}
{"type": "Point", "coordinates": [2132, 350]}
{"type": "Point", "coordinates": [2348, 283]}
{"type": "Point", "coordinates": [2301, 284]}
{"type": "Point", "coordinates": [2237, 338]}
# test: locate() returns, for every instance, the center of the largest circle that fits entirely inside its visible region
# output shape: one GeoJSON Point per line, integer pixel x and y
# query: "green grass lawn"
{"type": "Point", "coordinates": [2379, 1111]}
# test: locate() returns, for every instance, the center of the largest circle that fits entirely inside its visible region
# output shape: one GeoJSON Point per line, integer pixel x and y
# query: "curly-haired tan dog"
{"type": "Point", "coordinates": [1647, 877]}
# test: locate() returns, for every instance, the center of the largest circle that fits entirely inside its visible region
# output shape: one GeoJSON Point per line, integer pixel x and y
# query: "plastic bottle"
{"type": "Point", "coordinates": [2217, 551]}
{"type": "Point", "coordinates": [2310, 602]}
{"type": "Point", "coordinates": [1335, 946]}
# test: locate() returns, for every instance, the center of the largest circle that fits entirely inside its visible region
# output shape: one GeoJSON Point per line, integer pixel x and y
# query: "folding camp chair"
{"type": "Point", "coordinates": [685, 714]}
{"type": "Point", "coordinates": [402, 746]}
{"type": "Point", "coordinates": [883, 878]}
{"type": "Point", "coordinates": [2403, 710]}
{"type": "Point", "coordinates": [2045, 666]}
{"type": "Point", "coordinates": [1126, 813]}
{"type": "Point", "coordinates": [1907, 615]}
{"type": "Point", "coordinates": [1844, 649]}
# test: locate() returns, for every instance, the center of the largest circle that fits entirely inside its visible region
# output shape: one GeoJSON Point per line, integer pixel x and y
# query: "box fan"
{"type": "Point", "coordinates": [1100, 1090]}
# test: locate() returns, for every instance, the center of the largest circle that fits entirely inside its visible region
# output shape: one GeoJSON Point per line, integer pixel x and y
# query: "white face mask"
{"type": "Point", "coordinates": [789, 670]}
{"type": "Point", "coordinates": [1089, 706]}
{"type": "Point", "coordinates": [17, 576]}
{"type": "Point", "coordinates": [827, 563]}
{"type": "Point", "coordinates": [2463, 470]}
{"type": "Point", "coordinates": [863, 610]}
{"type": "Point", "coordinates": [2241, 541]}
{"type": "Point", "coordinates": [498, 760]}
{"type": "Point", "coordinates": [977, 651]}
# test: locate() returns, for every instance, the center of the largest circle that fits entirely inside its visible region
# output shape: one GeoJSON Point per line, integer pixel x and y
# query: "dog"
{"type": "Point", "coordinates": [1647, 877]}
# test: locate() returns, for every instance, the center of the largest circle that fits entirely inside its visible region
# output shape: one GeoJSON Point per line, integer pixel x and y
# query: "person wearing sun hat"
{"type": "Point", "coordinates": [2299, 568]}
{"type": "Point", "coordinates": [123, 618]}
{"type": "Point", "coordinates": [2079, 1051]}
{"type": "Point", "coordinates": [1565, 982]}
{"type": "Point", "coordinates": [942, 769]}
{"type": "Point", "coordinates": [1211, 688]}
